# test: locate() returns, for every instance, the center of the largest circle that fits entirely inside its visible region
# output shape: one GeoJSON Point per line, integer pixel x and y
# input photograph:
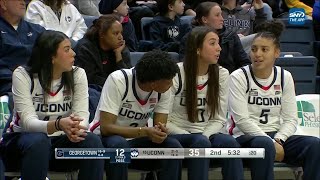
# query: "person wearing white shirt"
{"type": "Point", "coordinates": [199, 104]}
{"type": "Point", "coordinates": [129, 98]}
{"type": "Point", "coordinates": [58, 15]}
{"type": "Point", "coordinates": [263, 110]}
{"type": "Point", "coordinates": [50, 111]}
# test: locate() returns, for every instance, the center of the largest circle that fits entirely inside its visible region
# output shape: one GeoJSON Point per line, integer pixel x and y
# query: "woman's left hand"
{"type": "Point", "coordinates": [78, 132]}
{"type": "Point", "coordinates": [120, 48]}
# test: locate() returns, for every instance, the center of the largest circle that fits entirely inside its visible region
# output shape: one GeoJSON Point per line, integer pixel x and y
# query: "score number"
{"type": "Point", "coordinates": [194, 152]}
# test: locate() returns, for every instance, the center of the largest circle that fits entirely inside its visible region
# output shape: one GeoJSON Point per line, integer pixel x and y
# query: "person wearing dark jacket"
{"type": "Point", "coordinates": [232, 55]}
{"type": "Point", "coordinates": [120, 8]}
{"type": "Point", "coordinates": [167, 29]}
{"type": "Point", "coordinates": [237, 18]}
{"type": "Point", "coordinates": [16, 40]}
{"type": "Point", "coordinates": [102, 50]}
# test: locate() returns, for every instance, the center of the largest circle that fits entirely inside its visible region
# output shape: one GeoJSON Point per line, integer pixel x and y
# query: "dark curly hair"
{"type": "Point", "coordinates": [156, 65]}
{"type": "Point", "coordinates": [271, 30]}
{"type": "Point", "coordinates": [100, 26]}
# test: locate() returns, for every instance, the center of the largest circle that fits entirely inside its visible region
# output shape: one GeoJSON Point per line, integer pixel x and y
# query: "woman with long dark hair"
{"type": "Point", "coordinates": [199, 105]}
{"type": "Point", "coordinates": [232, 55]}
{"type": "Point", "coordinates": [50, 111]}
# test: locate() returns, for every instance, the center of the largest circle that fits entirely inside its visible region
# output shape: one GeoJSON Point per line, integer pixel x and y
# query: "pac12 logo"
{"type": "Point", "coordinates": [297, 16]}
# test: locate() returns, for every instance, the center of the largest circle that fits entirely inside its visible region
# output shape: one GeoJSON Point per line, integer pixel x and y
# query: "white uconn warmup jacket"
{"type": "Point", "coordinates": [71, 21]}
{"type": "Point", "coordinates": [31, 113]}
{"type": "Point", "coordinates": [257, 106]}
{"type": "Point", "coordinates": [120, 96]}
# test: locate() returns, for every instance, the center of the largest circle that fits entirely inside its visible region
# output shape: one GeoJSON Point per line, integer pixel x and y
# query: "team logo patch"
{"type": "Point", "coordinates": [127, 105]}
{"type": "Point", "coordinates": [68, 19]}
{"type": "Point", "coordinates": [37, 99]}
{"type": "Point", "coordinates": [67, 98]}
{"type": "Point", "coordinates": [173, 31]}
{"type": "Point", "coordinates": [152, 106]}
{"type": "Point", "coordinates": [277, 93]}
{"type": "Point", "coordinates": [134, 153]}
{"type": "Point", "coordinates": [253, 92]}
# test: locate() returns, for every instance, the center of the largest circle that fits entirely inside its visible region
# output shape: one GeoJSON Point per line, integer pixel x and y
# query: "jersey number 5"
{"type": "Point", "coordinates": [264, 116]}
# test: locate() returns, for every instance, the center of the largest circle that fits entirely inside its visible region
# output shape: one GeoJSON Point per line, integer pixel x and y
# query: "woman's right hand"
{"type": "Point", "coordinates": [71, 126]}
{"type": "Point", "coordinates": [156, 135]}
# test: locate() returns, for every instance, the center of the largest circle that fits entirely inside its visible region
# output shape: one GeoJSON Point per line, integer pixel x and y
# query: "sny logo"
{"type": "Point", "coordinates": [297, 16]}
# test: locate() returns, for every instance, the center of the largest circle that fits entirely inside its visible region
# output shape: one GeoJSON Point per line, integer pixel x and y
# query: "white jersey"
{"type": "Point", "coordinates": [122, 97]}
{"type": "Point", "coordinates": [70, 23]}
{"type": "Point", "coordinates": [257, 106]}
{"type": "Point", "coordinates": [178, 119]}
{"type": "Point", "coordinates": [31, 113]}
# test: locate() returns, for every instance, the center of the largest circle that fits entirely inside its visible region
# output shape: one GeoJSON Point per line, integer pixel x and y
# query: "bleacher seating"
{"type": "Point", "coordinates": [298, 38]}
{"type": "Point", "coordinates": [317, 84]}
{"type": "Point", "coordinates": [290, 54]}
{"type": "Point", "coordinates": [187, 19]}
{"type": "Point", "coordinates": [145, 21]}
{"type": "Point", "coordinates": [136, 56]}
{"type": "Point", "coordinates": [89, 20]}
{"type": "Point", "coordinates": [303, 70]}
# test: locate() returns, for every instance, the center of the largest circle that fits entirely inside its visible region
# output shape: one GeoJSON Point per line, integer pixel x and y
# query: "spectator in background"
{"type": "Point", "coordinates": [239, 19]}
{"type": "Point", "coordinates": [305, 4]}
{"type": "Point", "coordinates": [58, 15]}
{"type": "Point", "coordinates": [167, 29]}
{"type": "Point", "coordinates": [87, 7]}
{"type": "Point", "coordinates": [102, 50]}
{"type": "Point", "coordinates": [189, 7]}
{"type": "Point", "coordinates": [120, 8]}
{"type": "Point", "coordinates": [232, 55]}
{"type": "Point", "coordinates": [139, 10]}
{"type": "Point", "coordinates": [248, 5]}
{"type": "Point", "coordinates": [16, 40]}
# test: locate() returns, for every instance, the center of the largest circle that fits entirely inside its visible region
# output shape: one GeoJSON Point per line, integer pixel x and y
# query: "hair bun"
{"type": "Point", "coordinates": [273, 26]}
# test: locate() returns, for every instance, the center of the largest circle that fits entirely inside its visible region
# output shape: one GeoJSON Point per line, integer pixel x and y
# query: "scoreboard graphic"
{"type": "Point", "coordinates": [124, 155]}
